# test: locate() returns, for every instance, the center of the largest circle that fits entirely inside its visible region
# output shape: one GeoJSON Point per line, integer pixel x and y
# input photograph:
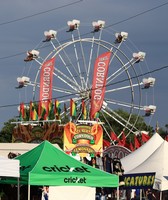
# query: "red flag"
{"type": "Point", "coordinates": [166, 138]}
{"type": "Point", "coordinates": [114, 136]}
{"type": "Point", "coordinates": [99, 82]}
{"type": "Point", "coordinates": [106, 143]}
{"type": "Point", "coordinates": [136, 142]}
{"type": "Point", "coordinates": [131, 147]}
{"type": "Point", "coordinates": [127, 145]}
{"type": "Point", "coordinates": [145, 137]}
{"type": "Point", "coordinates": [122, 142]}
{"type": "Point", "coordinates": [123, 137]}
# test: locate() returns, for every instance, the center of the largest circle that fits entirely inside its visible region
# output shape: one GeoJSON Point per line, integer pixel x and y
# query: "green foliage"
{"type": "Point", "coordinates": [6, 132]}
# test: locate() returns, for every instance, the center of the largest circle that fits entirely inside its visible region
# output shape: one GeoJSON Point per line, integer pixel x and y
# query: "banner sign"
{"type": "Point", "coordinates": [46, 79]}
{"type": "Point", "coordinates": [138, 181]}
{"type": "Point", "coordinates": [83, 139]}
{"type": "Point", "coordinates": [99, 82]}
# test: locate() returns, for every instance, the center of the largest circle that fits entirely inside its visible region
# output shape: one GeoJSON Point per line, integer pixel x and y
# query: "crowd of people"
{"type": "Point", "coordinates": [113, 165]}
{"type": "Point", "coordinates": [110, 165]}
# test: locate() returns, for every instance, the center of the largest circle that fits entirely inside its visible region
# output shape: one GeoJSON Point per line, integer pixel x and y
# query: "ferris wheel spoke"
{"type": "Point", "coordinates": [54, 88]}
{"type": "Point", "coordinates": [83, 55]}
{"type": "Point", "coordinates": [123, 122]}
{"type": "Point", "coordinates": [122, 88]}
{"type": "Point", "coordinates": [137, 57]}
{"type": "Point", "coordinates": [94, 41]}
{"type": "Point", "coordinates": [68, 62]}
{"type": "Point", "coordinates": [66, 82]}
{"type": "Point", "coordinates": [99, 40]}
{"type": "Point", "coordinates": [118, 72]}
{"type": "Point", "coordinates": [130, 126]}
{"type": "Point", "coordinates": [117, 120]}
{"type": "Point", "coordinates": [77, 60]}
{"type": "Point", "coordinates": [66, 78]}
{"type": "Point", "coordinates": [124, 104]}
{"type": "Point", "coordinates": [115, 52]}
{"type": "Point", "coordinates": [107, 122]}
{"type": "Point", "coordinates": [90, 60]}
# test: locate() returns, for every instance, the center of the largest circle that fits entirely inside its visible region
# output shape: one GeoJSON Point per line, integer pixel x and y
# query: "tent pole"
{"type": "Point", "coordinates": [18, 190]}
{"type": "Point", "coordinates": [28, 192]}
{"type": "Point", "coordinates": [160, 195]}
{"type": "Point", "coordinates": [118, 193]}
{"type": "Point", "coordinates": [140, 194]}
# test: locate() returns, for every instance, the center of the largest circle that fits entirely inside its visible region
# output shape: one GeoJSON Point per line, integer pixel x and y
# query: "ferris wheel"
{"type": "Point", "coordinates": [94, 66]}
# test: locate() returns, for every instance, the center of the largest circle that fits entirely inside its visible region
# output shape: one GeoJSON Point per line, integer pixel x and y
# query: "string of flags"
{"type": "Point", "coordinates": [48, 110]}
{"type": "Point", "coordinates": [137, 142]}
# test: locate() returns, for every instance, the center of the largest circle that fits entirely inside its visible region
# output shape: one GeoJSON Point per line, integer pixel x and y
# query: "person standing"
{"type": "Point", "coordinates": [133, 194]}
{"type": "Point", "coordinates": [107, 163]}
{"type": "Point", "coordinates": [45, 193]}
{"type": "Point", "coordinates": [150, 195]}
{"type": "Point", "coordinates": [99, 162]}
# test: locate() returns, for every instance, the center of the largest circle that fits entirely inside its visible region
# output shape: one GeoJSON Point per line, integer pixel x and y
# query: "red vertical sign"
{"type": "Point", "coordinates": [46, 79]}
{"type": "Point", "coordinates": [99, 82]}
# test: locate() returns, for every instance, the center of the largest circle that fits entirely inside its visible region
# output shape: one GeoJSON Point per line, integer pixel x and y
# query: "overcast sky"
{"type": "Point", "coordinates": [22, 23]}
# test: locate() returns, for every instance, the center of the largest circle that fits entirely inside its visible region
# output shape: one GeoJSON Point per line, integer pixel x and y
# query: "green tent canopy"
{"type": "Point", "coordinates": [48, 165]}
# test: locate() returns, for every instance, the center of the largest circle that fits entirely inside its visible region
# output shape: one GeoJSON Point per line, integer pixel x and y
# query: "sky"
{"type": "Point", "coordinates": [23, 22]}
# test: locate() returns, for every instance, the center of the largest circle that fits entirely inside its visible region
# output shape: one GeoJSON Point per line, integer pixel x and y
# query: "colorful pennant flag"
{"type": "Point", "coordinates": [33, 112]}
{"type": "Point", "coordinates": [42, 110]}
{"type": "Point", "coordinates": [50, 110]}
{"type": "Point", "coordinates": [73, 112]}
{"type": "Point", "coordinates": [96, 115]}
{"type": "Point", "coordinates": [57, 109]}
{"type": "Point", "coordinates": [22, 114]}
{"type": "Point", "coordinates": [84, 110]}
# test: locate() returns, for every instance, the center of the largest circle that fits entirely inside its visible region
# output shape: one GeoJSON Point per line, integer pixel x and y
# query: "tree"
{"type": "Point", "coordinates": [6, 132]}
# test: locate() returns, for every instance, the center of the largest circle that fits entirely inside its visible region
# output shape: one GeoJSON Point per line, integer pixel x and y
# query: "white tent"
{"type": "Point", "coordinates": [141, 154]}
{"type": "Point", "coordinates": [9, 168]}
{"type": "Point", "coordinates": [157, 162]}
{"type": "Point", "coordinates": [72, 192]}
{"type": "Point", "coordinates": [17, 148]}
